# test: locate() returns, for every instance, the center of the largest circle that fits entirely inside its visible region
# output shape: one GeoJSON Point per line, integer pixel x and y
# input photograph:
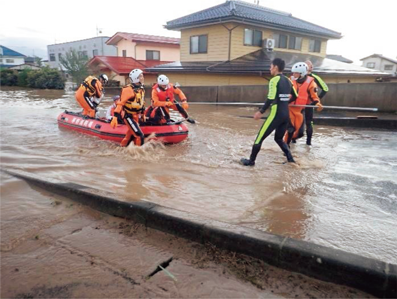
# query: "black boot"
{"type": "Point", "coordinates": [290, 158]}
{"type": "Point", "coordinates": [247, 162]}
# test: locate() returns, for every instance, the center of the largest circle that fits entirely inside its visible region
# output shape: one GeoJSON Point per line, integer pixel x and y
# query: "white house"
{"type": "Point", "coordinates": [9, 58]}
{"type": "Point", "coordinates": [88, 48]}
{"type": "Point", "coordinates": [381, 63]}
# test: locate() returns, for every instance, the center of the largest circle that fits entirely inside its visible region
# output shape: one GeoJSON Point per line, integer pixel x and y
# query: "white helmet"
{"type": "Point", "coordinates": [104, 78]}
{"type": "Point", "coordinates": [300, 68]}
{"type": "Point", "coordinates": [134, 75]}
{"type": "Point", "coordinates": [163, 80]}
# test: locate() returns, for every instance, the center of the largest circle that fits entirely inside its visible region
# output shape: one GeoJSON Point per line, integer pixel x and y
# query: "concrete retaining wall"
{"type": "Point", "coordinates": [371, 95]}
{"type": "Point", "coordinates": [370, 275]}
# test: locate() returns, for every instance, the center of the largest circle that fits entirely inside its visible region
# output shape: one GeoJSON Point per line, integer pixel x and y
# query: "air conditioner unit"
{"type": "Point", "coordinates": [268, 44]}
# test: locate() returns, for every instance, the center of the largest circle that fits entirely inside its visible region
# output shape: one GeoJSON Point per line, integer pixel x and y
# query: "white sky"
{"type": "Point", "coordinates": [29, 26]}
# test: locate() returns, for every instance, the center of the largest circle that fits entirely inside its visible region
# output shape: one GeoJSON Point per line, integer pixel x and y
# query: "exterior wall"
{"type": "Point", "coordinates": [218, 42]}
{"type": "Point", "coordinates": [368, 95]}
{"type": "Point", "coordinates": [17, 60]}
{"type": "Point", "coordinates": [214, 79]}
{"type": "Point", "coordinates": [167, 53]}
{"type": "Point", "coordinates": [150, 79]}
{"type": "Point", "coordinates": [238, 48]}
{"type": "Point", "coordinates": [375, 60]}
{"type": "Point", "coordinates": [228, 80]}
{"type": "Point", "coordinates": [380, 64]}
{"type": "Point", "coordinates": [126, 45]}
{"type": "Point", "coordinates": [89, 45]}
{"type": "Point", "coordinates": [348, 79]}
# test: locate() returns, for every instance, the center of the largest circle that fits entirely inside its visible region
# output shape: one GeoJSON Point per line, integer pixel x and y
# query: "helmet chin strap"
{"type": "Point", "coordinates": [301, 79]}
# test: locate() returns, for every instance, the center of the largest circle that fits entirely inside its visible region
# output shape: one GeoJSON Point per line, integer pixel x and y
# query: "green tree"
{"type": "Point", "coordinates": [38, 61]}
{"type": "Point", "coordinates": [75, 65]}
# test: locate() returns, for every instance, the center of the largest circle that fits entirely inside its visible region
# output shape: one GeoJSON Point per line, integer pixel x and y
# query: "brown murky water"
{"type": "Point", "coordinates": [342, 194]}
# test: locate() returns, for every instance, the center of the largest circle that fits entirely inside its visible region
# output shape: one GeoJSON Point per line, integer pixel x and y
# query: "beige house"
{"type": "Point", "coordinates": [135, 51]}
{"type": "Point", "coordinates": [145, 47]}
{"type": "Point", "coordinates": [233, 44]}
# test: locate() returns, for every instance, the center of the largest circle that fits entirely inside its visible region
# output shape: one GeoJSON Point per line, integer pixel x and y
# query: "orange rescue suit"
{"type": "Point", "coordinates": [90, 87]}
{"type": "Point", "coordinates": [307, 92]}
{"type": "Point", "coordinates": [131, 106]}
{"type": "Point", "coordinates": [160, 97]}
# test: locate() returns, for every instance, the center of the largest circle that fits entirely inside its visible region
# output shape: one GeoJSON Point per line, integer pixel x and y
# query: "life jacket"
{"type": "Point", "coordinates": [136, 102]}
{"type": "Point", "coordinates": [303, 91]}
{"type": "Point", "coordinates": [165, 94]}
{"type": "Point", "coordinates": [87, 83]}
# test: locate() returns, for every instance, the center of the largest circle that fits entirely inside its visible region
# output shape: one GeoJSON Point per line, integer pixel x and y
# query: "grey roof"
{"type": "Point", "coordinates": [235, 10]}
{"type": "Point", "coordinates": [380, 56]}
{"type": "Point", "coordinates": [259, 61]}
{"type": "Point", "coordinates": [339, 58]}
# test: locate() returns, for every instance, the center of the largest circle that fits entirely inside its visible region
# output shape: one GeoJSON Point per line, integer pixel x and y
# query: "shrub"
{"type": "Point", "coordinates": [46, 78]}
{"type": "Point", "coordinates": [23, 77]}
{"type": "Point", "coordinates": [8, 77]}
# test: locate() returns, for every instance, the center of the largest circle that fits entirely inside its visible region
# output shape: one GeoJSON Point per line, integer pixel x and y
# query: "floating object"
{"type": "Point", "coordinates": [174, 132]}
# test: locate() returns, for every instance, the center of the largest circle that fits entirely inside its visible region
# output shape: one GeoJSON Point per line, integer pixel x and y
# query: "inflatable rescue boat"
{"type": "Point", "coordinates": [173, 132]}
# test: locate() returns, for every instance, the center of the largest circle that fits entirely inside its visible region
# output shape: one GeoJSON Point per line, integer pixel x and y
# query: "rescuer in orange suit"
{"type": "Point", "coordinates": [163, 98]}
{"type": "Point", "coordinates": [307, 93]}
{"type": "Point", "coordinates": [130, 108]}
{"type": "Point", "coordinates": [91, 87]}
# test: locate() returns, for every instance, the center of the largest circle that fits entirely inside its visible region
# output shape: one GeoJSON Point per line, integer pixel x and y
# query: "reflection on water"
{"type": "Point", "coordinates": [342, 193]}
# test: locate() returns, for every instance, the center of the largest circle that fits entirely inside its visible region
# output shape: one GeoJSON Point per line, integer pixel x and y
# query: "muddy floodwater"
{"type": "Point", "coordinates": [342, 193]}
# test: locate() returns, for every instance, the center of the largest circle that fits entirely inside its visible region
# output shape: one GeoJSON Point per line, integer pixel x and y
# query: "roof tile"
{"type": "Point", "coordinates": [250, 12]}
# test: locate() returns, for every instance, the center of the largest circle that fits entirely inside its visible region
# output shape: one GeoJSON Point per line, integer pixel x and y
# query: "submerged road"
{"type": "Point", "coordinates": [342, 194]}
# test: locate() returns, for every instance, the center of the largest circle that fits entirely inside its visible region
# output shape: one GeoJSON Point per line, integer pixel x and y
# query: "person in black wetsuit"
{"type": "Point", "coordinates": [281, 92]}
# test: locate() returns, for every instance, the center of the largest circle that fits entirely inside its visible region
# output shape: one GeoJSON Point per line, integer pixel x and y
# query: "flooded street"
{"type": "Point", "coordinates": [342, 194]}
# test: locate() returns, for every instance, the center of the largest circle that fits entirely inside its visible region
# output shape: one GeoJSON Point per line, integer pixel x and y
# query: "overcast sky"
{"type": "Point", "coordinates": [29, 26]}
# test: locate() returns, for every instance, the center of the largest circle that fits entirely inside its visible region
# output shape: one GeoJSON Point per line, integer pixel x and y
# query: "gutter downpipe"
{"type": "Point", "coordinates": [230, 38]}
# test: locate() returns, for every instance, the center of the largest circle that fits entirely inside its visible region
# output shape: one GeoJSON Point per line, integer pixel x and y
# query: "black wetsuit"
{"type": "Point", "coordinates": [280, 91]}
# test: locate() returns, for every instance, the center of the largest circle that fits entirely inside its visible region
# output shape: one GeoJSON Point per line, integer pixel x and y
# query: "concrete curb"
{"type": "Point", "coordinates": [327, 264]}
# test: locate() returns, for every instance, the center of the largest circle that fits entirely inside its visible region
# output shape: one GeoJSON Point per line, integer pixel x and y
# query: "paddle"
{"type": "Point", "coordinates": [181, 109]}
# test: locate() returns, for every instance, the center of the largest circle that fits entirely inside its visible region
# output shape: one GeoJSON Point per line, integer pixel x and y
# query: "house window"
{"type": "Point", "coordinates": [371, 65]}
{"type": "Point", "coordinates": [59, 56]}
{"type": "Point", "coordinates": [388, 67]}
{"type": "Point", "coordinates": [95, 52]}
{"type": "Point", "coordinates": [1, 60]}
{"type": "Point", "coordinates": [85, 54]}
{"type": "Point", "coordinates": [52, 57]}
{"type": "Point", "coordinates": [295, 43]}
{"type": "Point", "coordinates": [198, 44]}
{"type": "Point", "coordinates": [281, 40]}
{"type": "Point", "coordinates": [315, 45]}
{"type": "Point", "coordinates": [9, 60]}
{"type": "Point", "coordinates": [252, 37]}
{"type": "Point", "coordinates": [124, 53]}
{"type": "Point", "coordinates": [152, 55]}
